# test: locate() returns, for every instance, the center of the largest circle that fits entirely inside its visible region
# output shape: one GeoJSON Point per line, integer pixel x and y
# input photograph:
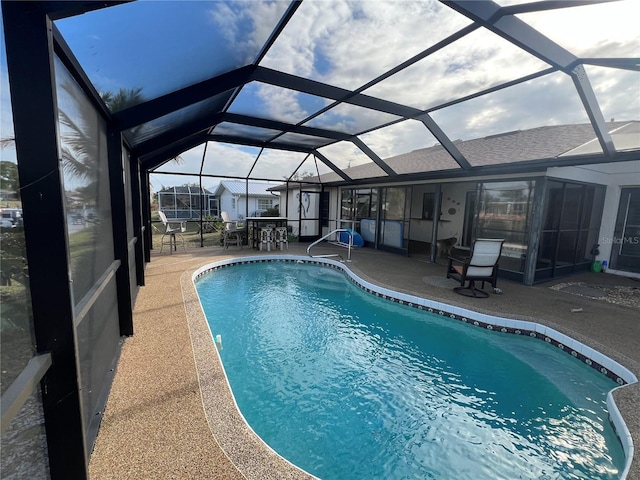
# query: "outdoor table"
{"type": "Point", "coordinates": [256, 223]}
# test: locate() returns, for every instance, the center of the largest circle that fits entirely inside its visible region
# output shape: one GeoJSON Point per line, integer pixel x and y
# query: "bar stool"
{"type": "Point", "coordinates": [282, 238]}
{"type": "Point", "coordinates": [266, 238]}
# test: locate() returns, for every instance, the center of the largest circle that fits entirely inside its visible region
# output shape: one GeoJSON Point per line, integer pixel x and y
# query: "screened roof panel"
{"type": "Point", "coordinates": [345, 155]}
{"type": "Point", "coordinates": [602, 30]}
{"type": "Point", "coordinates": [276, 103]}
{"type": "Point", "coordinates": [349, 43]}
{"type": "Point", "coordinates": [277, 164]}
{"type": "Point", "coordinates": [477, 61]}
{"type": "Point", "coordinates": [399, 138]}
{"type": "Point", "coordinates": [550, 100]}
{"type": "Point", "coordinates": [158, 126]}
{"type": "Point", "coordinates": [228, 160]}
{"type": "Point", "coordinates": [247, 131]}
{"type": "Point", "coordinates": [617, 91]}
{"type": "Point", "coordinates": [311, 170]}
{"type": "Point", "coordinates": [351, 119]}
{"type": "Point", "coordinates": [303, 140]}
{"type": "Point", "coordinates": [259, 73]}
{"type": "Point", "coordinates": [164, 46]}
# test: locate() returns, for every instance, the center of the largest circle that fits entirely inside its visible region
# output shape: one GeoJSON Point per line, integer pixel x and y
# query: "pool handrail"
{"type": "Point", "coordinates": [332, 232]}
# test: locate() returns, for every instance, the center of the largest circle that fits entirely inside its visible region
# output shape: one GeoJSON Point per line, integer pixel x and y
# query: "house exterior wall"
{"type": "Point", "coordinates": [240, 210]}
{"type": "Point", "coordinates": [452, 211]}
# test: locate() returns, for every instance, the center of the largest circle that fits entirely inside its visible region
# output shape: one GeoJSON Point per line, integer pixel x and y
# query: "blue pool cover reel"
{"type": "Point", "coordinates": [358, 241]}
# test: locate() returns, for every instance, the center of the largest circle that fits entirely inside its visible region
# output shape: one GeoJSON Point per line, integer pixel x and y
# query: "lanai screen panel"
{"type": "Point", "coordinates": [237, 130]}
{"type": "Point", "coordinates": [399, 138]}
{"type": "Point", "coordinates": [351, 119]}
{"type": "Point", "coordinates": [277, 164]}
{"type": "Point", "coordinates": [327, 71]}
{"type": "Point", "coordinates": [475, 62]}
{"type": "Point", "coordinates": [229, 160]}
{"type": "Point", "coordinates": [550, 100]}
{"type": "Point", "coordinates": [160, 47]}
{"type": "Point", "coordinates": [276, 103]}
{"type": "Point", "coordinates": [348, 44]}
{"type": "Point", "coordinates": [605, 30]}
{"type": "Point", "coordinates": [346, 155]}
{"type": "Point", "coordinates": [165, 123]}
{"type": "Point", "coordinates": [618, 94]}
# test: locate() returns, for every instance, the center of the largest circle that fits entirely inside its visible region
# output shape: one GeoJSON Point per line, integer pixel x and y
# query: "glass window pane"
{"type": "Point", "coordinates": [347, 204]}
{"type": "Point", "coordinates": [607, 29]}
{"type": "Point", "coordinates": [162, 46]}
{"type": "Point", "coordinates": [505, 212]}
{"type": "Point", "coordinates": [473, 63]}
{"type": "Point", "coordinates": [392, 224]}
{"type": "Point", "coordinates": [550, 100]}
{"type": "Point", "coordinates": [358, 41]}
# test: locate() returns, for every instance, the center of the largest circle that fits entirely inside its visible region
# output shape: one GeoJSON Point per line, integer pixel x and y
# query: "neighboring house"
{"type": "Point", "coordinates": [246, 199]}
{"type": "Point", "coordinates": [550, 217]}
{"type": "Point", "coordinates": [183, 202]}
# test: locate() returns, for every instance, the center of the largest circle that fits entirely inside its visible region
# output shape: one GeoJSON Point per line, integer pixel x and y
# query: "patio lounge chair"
{"type": "Point", "coordinates": [231, 236]}
{"type": "Point", "coordinates": [172, 231]}
{"type": "Point", "coordinates": [482, 265]}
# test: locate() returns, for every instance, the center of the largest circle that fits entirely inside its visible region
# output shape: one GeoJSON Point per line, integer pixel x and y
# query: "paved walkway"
{"type": "Point", "coordinates": [169, 393]}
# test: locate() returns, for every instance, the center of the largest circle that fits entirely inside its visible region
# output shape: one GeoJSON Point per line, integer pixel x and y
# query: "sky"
{"type": "Point", "coordinates": [165, 45]}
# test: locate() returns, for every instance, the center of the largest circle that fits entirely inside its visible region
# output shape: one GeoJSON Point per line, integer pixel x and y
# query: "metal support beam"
{"type": "Point", "coordinates": [444, 140]}
{"type": "Point", "coordinates": [376, 159]}
{"type": "Point", "coordinates": [136, 206]}
{"type": "Point", "coordinates": [329, 164]}
{"type": "Point", "coordinates": [119, 222]}
{"type": "Point", "coordinates": [35, 116]}
{"type": "Point", "coordinates": [145, 195]}
{"type": "Point", "coordinates": [437, 206]}
{"type": "Point", "coordinates": [588, 97]}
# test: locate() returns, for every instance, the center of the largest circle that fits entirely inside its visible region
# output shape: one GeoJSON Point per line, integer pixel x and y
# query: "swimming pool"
{"type": "Point", "coordinates": [391, 361]}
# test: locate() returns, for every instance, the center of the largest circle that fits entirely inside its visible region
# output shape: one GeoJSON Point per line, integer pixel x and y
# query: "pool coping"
{"type": "Point", "coordinates": [253, 457]}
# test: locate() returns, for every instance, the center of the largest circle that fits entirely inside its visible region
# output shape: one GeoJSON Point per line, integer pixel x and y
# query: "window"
{"type": "Point", "coordinates": [428, 205]}
{"type": "Point", "coordinates": [265, 204]}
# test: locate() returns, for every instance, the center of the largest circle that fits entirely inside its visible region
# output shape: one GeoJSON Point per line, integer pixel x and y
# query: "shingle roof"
{"type": "Point", "coordinates": [512, 147]}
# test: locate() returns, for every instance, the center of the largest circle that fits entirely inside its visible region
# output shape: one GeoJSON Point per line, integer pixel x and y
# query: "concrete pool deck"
{"type": "Point", "coordinates": [170, 415]}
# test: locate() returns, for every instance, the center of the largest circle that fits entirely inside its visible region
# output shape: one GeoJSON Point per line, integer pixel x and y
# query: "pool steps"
{"type": "Point", "coordinates": [584, 353]}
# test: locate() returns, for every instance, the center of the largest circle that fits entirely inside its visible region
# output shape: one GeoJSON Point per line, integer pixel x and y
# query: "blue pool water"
{"type": "Point", "coordinates": [350, 386]}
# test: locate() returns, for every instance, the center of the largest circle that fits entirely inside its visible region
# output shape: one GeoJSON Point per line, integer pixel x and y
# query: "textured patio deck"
{"type": "Point", "coordinates": [170, 415]}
